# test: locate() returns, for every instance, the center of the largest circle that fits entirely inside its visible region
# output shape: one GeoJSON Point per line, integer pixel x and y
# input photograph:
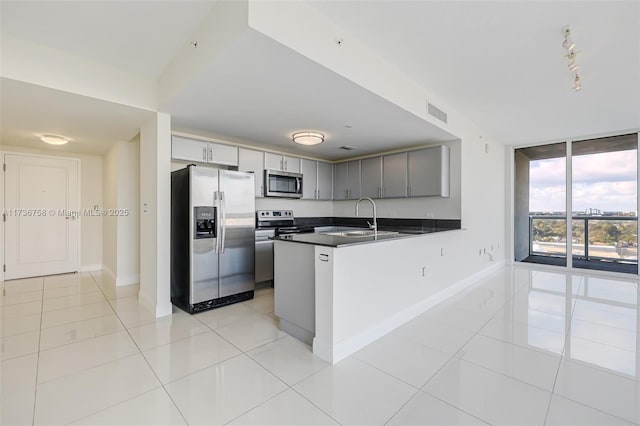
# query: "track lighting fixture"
{"type": "Point", "coordinates": [571, 55]}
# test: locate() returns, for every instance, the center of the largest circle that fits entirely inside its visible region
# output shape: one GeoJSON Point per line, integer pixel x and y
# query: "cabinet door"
{"type": "Point", "coordinates": [188, 149]}
{"type": "Point", "coordinates": [340, 181]}
{"type": "Point", "coordinates": [429, 172]}
{"type": "Point", "coordinates": [309, 178]}
{"type": "Point", "coordinates": [394, 175]}
{"type": "Point", "coordinates": [291, 164]}
{"type": "Point", "coordinates": [325, 181]}
{"type": "Point", "coordinates": [354, 179]}
{"type": "Point", "coordinates": [371, 177]}
{"type": "Point", "coordinates": [253, 162]}
{"type": "Point", "coordinates": [273, 161]}
{"type": "Point", "coordinates": [223, 154]}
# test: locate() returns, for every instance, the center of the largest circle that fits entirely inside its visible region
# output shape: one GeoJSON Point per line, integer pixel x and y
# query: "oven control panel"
{"type": "Point", "coordinates": [274, 214]}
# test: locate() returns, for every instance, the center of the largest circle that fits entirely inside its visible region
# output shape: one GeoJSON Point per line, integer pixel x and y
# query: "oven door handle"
{"type": "Point", "coordinates": [298, 185]}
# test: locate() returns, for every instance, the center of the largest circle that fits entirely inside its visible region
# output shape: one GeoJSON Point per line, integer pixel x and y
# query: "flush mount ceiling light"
{"type": "Point", "coordinates": [308, 138]}
{"type": "Point", "coordinates": [571, 55]}
{"type": "Point", "coordinates": [54, 140]}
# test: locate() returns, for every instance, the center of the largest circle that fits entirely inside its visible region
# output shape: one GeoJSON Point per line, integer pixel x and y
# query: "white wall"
{"type": "Point", "coordinates": [121, 246]}
{"type": "Point", "coordinates": [129, 200]}
{"type": "Point", "coordinates": [90, 195]}
{"type": "Point", "coordinates": [301, 208]}
{"type": "Point", "coordinates": [110, 201]}
{"type": "Point", "coordinates": [155, 214]}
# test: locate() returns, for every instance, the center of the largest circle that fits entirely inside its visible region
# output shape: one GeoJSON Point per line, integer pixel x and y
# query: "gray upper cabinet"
{"type": "Point", "coordinates": [325, 181]}
{"type": "Point", "coordinates": [280, 162]}
{"type": "Point", "coordinates": [346, 180]}
{"type": "Point", "coordinates": [371, 177]}
{"type": "Point", "coordinates": [309, 170]}
{"type": "Point", "coordinates": [206, 152]}
{"type": "Point", "coordinates": [317, 180]}
{"type": "Point", "coordinates": [394, 175]}
{"type": "Point", "coordinates": [250, 160]}
{"type": "Point", "coordinates": [429, 172]}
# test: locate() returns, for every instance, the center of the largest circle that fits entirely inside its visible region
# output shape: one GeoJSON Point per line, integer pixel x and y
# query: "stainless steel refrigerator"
{"type": "Point", "coordinates": [212, 237]}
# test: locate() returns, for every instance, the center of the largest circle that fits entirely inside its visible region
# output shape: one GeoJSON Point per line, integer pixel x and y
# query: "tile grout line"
{"type": "Point", "coordinates": [35, 393]}
{"type": "Point", "coordinates": [564, 348]}
{"type": "Point", "coordinates": [143, 357]}
{"type": "Point", "coordinates": [453, 356]}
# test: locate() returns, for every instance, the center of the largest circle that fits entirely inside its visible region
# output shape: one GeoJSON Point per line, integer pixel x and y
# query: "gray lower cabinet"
{"type": "Point", "coordinates": [371, 177]}
{"type": "Point", "coordinates": [250, 160]}
{"type": "Point", "coordinates": [428, 172]}
{"type": "Point", "coordinates": [394, 175]}
{"type": "Point", "coordinates": [346, 180]}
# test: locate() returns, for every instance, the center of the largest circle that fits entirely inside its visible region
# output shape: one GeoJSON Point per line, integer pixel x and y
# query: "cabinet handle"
{"type": "Point", "coordinates": [409, 190]}
{"type": "Point", "coordinates": [262, 190]}
{"type": "Point", "coordinates": [281, 164]}
{"type": "Point", "coordinates": [210, 154]}
{"type": "Point", "coordinates": [346, 193]}
{"type": "Point", "coordinates": [204, 153]}
{"type": "Point", "coordinates": [285, 165]}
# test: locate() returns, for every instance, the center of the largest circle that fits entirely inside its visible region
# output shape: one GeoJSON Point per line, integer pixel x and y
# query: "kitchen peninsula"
{"type": "Point", "coordinates": [343, 288]}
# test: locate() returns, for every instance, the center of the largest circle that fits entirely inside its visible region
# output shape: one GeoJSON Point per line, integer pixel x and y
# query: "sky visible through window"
{"type": "Point", "coordinates": [605, 181]}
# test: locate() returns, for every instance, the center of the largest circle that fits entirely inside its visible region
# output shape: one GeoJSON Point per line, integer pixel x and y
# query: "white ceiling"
{"type": "Point", "coordinates": [136, 36]}
{"type": "Point", "coordinates": [259, 90]}
{"type": "Point", "coordinates": [28, 111]}
{"type": "Point", "coordinates": [501, 62]}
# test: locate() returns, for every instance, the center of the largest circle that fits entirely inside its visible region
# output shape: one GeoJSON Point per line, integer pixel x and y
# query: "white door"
{"type": "Point", "coordinates": [42, 218]}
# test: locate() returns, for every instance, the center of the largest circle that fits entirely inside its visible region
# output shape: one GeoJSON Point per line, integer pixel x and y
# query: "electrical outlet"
{"type": "Point", "coordinates": [480, 252]}
{"type": "Point", "coordinates": [441, 252]}
{"type": "Point", "coordinates": [491, 247]}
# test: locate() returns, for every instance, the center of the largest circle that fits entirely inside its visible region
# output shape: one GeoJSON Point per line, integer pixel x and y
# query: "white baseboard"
{"type": "Point", "coordinates": [353, 344]}
{"type": "Point", "coordinates": [161, 310]}
{"type": "Point", "coordinates": [91, 267]}
{"type": "Point", "coordinates": [127, 279]}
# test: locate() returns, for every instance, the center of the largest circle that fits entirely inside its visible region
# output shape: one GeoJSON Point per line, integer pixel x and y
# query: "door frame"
{"type": "Point", "coordinates": [78, 162]}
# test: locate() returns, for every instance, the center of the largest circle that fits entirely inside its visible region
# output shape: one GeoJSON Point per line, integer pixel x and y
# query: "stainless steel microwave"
{"type": "Point", "coordinates": [282, 184]}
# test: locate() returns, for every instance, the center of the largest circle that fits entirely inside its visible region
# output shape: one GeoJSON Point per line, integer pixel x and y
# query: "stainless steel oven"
{"type": "Point", "coordinates": [282, 184]}
{"type": "Point", "coordinates": [270, 223]}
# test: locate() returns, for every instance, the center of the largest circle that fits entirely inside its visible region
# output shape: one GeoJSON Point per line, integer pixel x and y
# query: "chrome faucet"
{"type": "Point", "coordinates": [373, 226]}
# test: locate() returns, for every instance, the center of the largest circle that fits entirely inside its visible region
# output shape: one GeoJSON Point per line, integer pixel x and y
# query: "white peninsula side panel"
{"type": "Point", "coordinates": [363, 292]}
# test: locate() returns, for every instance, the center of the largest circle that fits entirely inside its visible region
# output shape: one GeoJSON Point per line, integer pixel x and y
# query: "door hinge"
{"type": "Point", "coordinates": [4, 167]}
{"type": "Point", "coordinates": [4, 268]}
{"type": "Point", "coordinates": [4, 217]}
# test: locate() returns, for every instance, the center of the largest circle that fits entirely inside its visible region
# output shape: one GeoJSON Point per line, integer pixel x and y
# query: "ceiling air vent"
{"type": "Point", "coordinates": [436, 112]}
{"type": "Point", "coordinates": [348, 147]}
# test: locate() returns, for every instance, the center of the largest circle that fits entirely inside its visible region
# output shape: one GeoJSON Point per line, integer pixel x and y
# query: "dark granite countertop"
{"type": "Point", "coordinates": [322, 239]}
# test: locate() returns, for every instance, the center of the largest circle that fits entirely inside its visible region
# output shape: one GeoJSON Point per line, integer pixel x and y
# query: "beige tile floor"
{"type": "Point", "coordinates": [524, 346]}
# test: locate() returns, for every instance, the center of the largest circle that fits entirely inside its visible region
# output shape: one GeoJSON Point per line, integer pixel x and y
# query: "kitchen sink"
{"type": "Point", "coordinates": [359, 233]}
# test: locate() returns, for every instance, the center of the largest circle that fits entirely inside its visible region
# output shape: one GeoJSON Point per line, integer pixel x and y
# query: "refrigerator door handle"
{"type": "Point", "coordinates": [223, 225]}
{"type": "Point", "coordinates": [216, 204]}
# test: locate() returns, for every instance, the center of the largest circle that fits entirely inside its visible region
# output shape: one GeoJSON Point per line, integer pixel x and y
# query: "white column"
{"type": "Point", "coordinates": [155, 214]}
